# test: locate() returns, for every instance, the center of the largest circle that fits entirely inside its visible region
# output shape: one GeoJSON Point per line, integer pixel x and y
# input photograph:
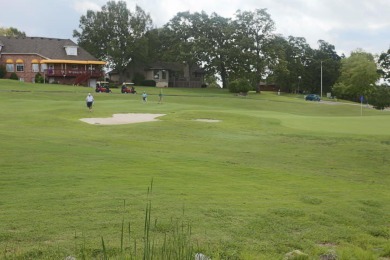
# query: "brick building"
{"type": "Point", "coordinates": [57, 60]}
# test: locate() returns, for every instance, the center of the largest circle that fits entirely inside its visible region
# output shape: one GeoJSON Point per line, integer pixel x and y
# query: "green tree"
{"type": "Point", "coordinates": [380, 97]}
{"type": "Point", "coordinates": [358, 76]}
{"type": "Point", "coordinates": [325, 58]}
{"type": "Point", "coordinates": [179, 39]}
{"type": "Point", "coordinates": [297, 66]}
{"type": "Point", "coordinates": [384, 65]}
{"type": "Point", "coordinates": [216, 47]}
{"type": "Point", "coordinates": [156, 45]}
{"type": "Point", "coordinates": [199, 39]}
{"type": "Point", "coordinates": [299, 57]}
{"type": "Point", "coordinates": [254, 36]}
{"type": "Point", "coordinates": [11, 32]}
{"type": "Point", "coordinates": [116, 35]}
{"type": "Point", "coordinates": [293, 58]}
{"type": "Point", "coordinates": [279, 72]}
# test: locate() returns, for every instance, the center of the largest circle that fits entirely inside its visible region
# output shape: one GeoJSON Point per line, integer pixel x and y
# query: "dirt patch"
{"type": "Point", "coordinates": [122, 119]}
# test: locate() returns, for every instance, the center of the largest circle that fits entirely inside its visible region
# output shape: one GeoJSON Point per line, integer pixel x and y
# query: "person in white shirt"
{"type": "Point", "coordinates": [89, 100]}
{"type": "Point", "coordinates": [145, 97]}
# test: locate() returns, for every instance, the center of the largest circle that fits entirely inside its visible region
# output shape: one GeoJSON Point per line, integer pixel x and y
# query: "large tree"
{"type": "Point", "coordinates": [298, 66]}
{"type": "Point", "coordinates": [200, 39]}
{"type": "Point", "coordinates": [178, 39]}
{"type": "Point", "coordinates": [300, 57]}
{"type": "Point", "coordinates": [358, 76]}
{"type": "Point", "coordinates": [115, 34]}
{"type": "Point", "coordinates": [325, 66]}
{"type": "Point", "coordinates": [292, 58]}
{"type": "Point", "coordinates": [279, 70]}
{"type": "Point", "coordinates": [216, 48]}
{"type": "Point", "coordinates": [254, 36]}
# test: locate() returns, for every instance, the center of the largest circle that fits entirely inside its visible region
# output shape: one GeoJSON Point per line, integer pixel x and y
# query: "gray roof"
{"type": "Point", "coordinates": [174, 66]}
{"type": "Point", "coordinates": [48, 48]}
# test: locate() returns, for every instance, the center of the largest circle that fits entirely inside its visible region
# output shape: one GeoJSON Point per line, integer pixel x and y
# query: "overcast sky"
{"type": "Point", "coordinates": [346, 24]}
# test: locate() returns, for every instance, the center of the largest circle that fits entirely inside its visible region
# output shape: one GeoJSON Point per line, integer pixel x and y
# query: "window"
{"type": "Point", "coordinates": [20, 67]}
{"type": "Point", "coordinates": [10, 68]}
{"type": "Point", "coordinates": [164, 74]}
{"type": "Point", "coordinates": [71, 50]}
{"type": "Point", "coordinates": [74, 67]}
{"type": "Point", "coordinates": [156, 74]}
{"type": "Point", "coordinates": [43, 67]}
{"type": "Point", "coordinates": [35, 67]}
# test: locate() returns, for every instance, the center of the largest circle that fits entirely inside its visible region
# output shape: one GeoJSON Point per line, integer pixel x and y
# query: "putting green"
{"type": "Point", "coordinates": [359, 125]}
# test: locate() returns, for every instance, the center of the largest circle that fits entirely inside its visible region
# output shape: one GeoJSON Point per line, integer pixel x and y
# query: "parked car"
{"type": "Point", "coordinates": [128, 87]}
{"type": "Point", "coordinates": [313, 97]}
{"type": "Point", "coordinates": [102, 86]}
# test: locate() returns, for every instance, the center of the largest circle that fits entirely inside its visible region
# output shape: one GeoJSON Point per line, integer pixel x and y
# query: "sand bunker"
{"type": "Point", "coordinates": [208, 120]}
{"type": "Point", "coordinates": [121, 119]}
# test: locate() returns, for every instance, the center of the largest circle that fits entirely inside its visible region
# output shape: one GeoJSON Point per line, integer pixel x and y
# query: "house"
{"type": "Point", "coordinates": [165, 74]}
{"type": "Point", "coordinates": [57, 60]}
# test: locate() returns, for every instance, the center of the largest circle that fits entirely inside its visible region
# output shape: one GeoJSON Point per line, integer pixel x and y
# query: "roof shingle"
{"type": "Point", "coordinates": [49, 48]}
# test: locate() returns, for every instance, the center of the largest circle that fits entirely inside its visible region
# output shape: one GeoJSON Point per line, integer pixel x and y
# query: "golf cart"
{"type": "Point", "coordinates": [102, 86]}
{"type": "Point", "coordinates": [128, 87]}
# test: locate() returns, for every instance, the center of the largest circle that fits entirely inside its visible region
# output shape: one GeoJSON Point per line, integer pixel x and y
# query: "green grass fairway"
{"type": "Point", "coordinates": [275, 174]}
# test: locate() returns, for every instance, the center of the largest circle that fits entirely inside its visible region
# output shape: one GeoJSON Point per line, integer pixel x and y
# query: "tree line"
{"type": "Point", "coordinates": [244, 47]}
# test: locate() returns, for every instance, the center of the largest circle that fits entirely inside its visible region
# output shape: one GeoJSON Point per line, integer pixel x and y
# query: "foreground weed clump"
{"type": "Point", "coordinates": [159, 241]}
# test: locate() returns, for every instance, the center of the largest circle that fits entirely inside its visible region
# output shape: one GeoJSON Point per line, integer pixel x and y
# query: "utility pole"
{"type": "Point", "coordinates": [321, 79]}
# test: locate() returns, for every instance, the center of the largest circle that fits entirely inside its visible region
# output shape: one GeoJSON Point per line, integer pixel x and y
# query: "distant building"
{"type": "Point", "coordinates": [57, 60]}
{"type": "Point", "coordinates": [165, 74]}
{"type": "Point", "coordinates": [263, 86]}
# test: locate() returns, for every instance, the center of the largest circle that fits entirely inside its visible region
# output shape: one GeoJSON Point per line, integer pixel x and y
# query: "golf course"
{"type": "Point", "coordinates": [216, 174]}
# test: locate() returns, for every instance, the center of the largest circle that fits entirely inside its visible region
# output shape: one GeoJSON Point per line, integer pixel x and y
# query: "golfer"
{"type": "Point", "coordinates": [89, 100]}
{"type": "Point", "coordinates": [144, 96]}
{"type": "Point", "coordinates": [160, 96]}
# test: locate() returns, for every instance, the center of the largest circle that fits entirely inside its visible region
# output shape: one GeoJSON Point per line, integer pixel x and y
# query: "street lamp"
{"type": "Point", "coordinates": [299, 81]}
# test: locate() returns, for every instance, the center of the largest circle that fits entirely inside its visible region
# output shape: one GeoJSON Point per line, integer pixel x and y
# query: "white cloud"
{"type": "Point", "coordinates": [82, 7]}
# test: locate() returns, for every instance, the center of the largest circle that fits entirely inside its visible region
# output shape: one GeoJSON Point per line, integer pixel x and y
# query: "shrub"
{"type": "Point", "coordinates": [38, 78]}
{"type": "Point", "coordinates": [213, 85]}
{"type": "Point", "coordinates": [138, 79]}
{"type": "Point", "coordinates": [2, 72]}
{"type": "Point", "coordinates": [239, 86]}
{"type": "Point", "coordinates": [112, 85]}
{"type": "Point", "coordinates": [14, 76]}
{"type": "Point", "coordinates": [150, 83]}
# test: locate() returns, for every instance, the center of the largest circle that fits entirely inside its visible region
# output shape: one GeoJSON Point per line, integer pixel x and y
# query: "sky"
{"type": "Point", "coordinates": [347, 24]}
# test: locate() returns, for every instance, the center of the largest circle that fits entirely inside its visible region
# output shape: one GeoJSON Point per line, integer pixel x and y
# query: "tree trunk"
{"type": "Point", "coordinates": [223, 76]}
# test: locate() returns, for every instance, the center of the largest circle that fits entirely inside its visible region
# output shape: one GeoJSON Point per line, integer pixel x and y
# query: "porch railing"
{"type": "Point", "coordinates": [73, 73]}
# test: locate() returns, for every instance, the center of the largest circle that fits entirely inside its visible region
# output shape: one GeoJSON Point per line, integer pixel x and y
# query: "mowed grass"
{"type": "Point", "coordinates": [276, 174]}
